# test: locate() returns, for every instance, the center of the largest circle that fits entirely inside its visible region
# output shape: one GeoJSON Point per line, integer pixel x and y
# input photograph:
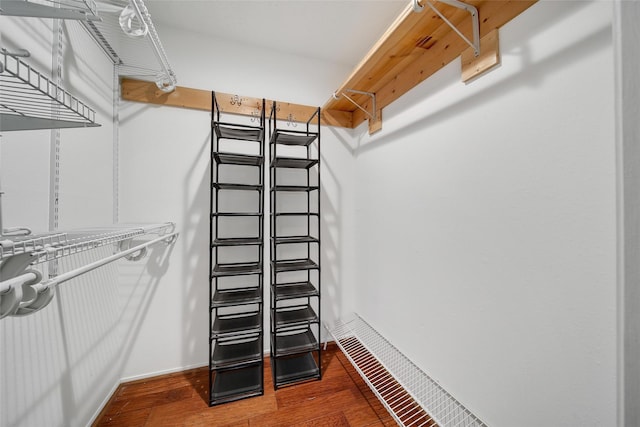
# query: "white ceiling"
{"type": "Point", "coordinates": [339, 31]}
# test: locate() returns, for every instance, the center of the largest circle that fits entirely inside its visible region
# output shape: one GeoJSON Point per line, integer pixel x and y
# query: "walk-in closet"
{"type": "Point", "coordinates": [305, 213]}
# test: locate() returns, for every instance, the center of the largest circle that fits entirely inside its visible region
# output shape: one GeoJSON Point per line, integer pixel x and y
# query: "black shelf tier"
{"type": "Point", "coordinates": [284, 240]}
{"type": "Point", "coordinates": [293, 138]}
{"type": "Point", "coordinates": [237, 159]}
{"type": "Point", "coordinates": [289, 162]}
{"type": "Point", "coordinates": [236, 297]}
{"type": "Point", "coordinates": [295, 214]}
{"type": "Point", "coordinates": [240, 132]}
{"type": "Point", "coordinates": [292, 316]}
{"type": "Point", "coordinates": [294, 290]}
{"type": "Point", "coordinates": [214, 214]}
{"type": "Point", "coordinates": [297, 368]}
{"type": "Point", "coordinates": [295, 188]}
{"type": "Point", "coordinates": [236, 323]}
{"type": "Point", "coordinates": [237, 269]}
{"type": "Point", "coordinates": [299, 342]}
{"type": "Point", "coordinates": [237, 241]}
{"type": "Point", "coordinates": [236, 353]}
{"type": "Point", "coordinates": [235, 384]}
{"type": "Point", "coordinates": [240, 187]}
{"type": "Point", "coordinates": [293, 265]}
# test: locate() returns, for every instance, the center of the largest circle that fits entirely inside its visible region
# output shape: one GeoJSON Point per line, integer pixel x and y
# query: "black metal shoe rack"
{"type": "Point", "coordinates": [295, 249]}
{"type": "Point", "coordinates": [236, 257]}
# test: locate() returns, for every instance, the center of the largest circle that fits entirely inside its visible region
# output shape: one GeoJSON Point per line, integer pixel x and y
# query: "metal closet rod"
{"type": "Point", "coordinates": [31, 277]}
{"type": "Point", "coordinates": [169, 239]}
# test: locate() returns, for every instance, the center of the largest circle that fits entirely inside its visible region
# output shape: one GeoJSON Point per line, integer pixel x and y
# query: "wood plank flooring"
{"type": "Point", "coordinates": [340, 399]}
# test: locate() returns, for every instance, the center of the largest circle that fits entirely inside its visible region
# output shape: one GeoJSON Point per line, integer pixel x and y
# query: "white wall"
{"type": "Point", "coordinates": [60, 364]}
{"type": "Point", "coordinates": [480, 221]}
{"type": "Point", "coordinates": [164, 175]}
{"type": "Point", "coordinates": [486, 224]}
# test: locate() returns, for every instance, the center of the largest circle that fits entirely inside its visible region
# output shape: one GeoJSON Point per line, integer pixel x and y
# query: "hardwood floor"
{"type": "Point", "coordinates": [340, 399]}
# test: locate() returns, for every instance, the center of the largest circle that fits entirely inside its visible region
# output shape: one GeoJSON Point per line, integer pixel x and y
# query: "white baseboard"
{"type": "Point", "coordinates": [159, 373]}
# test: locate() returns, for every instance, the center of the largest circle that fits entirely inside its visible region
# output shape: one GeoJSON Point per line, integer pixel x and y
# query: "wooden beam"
{"type": "Point", "coordinates": [287, 111]}
{"type": "Point", "coordinates": [473, 66]}
{"type": "Point", "coordinates": [236, 104]}
{"type": "Point", "coordinates": [198, 99]}
{"type": "Point", "coordinates": [337, 118]}
{"type": "Point", "coordinates": [184, 97]}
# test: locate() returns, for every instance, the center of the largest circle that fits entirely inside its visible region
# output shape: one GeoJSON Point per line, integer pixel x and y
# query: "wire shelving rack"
{"type": "Point", "coordinates": [410, 395]}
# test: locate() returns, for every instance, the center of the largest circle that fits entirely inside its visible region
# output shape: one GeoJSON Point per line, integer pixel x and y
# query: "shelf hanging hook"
{"type": "Point", "coordinates": [236, 100]}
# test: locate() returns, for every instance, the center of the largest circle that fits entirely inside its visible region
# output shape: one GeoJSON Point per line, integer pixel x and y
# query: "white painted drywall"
{"type": "Point", "coordinates": [486, 224]}
{"type": "Point", "coordinates": [58, 366]}
{"type": "Point", "coordinates": [480, 222]}
{"type": "Point", "coordinates": [164, 175]}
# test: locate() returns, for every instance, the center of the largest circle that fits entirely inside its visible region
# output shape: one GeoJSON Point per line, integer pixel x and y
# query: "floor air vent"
{"type": "Point", "coordinates": [412, 397]}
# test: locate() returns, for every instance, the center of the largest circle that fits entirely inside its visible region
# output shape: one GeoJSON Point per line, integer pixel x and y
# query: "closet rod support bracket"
{"type": "Point", "coordinates": [372, 116]}
{"type": "Point", "coordinates": [473, 11]}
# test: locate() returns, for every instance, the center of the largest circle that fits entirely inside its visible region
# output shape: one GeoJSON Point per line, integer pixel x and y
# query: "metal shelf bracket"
{"type": "Point", "coordinates": [373, 115]}
{"type": "Point", "coordinates": [475, 44]}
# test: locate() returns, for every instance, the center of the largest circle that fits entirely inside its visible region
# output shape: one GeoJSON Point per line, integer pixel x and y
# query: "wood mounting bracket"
{"type": "Point", "coordinates": [473, 66]}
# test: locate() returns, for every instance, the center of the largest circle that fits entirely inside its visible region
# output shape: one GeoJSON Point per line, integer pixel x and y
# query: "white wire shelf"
{"type": "Point", "coordinates": [63, 9]}
{"type": "Point", "coordinates": [128, 36]}
{"type": "Point", "coordinates": [52, 246]}
{"type": "Point", "coordinates": [29, 100]}
{"type": "Point", "coordinates": [411, 396]}
{"type": "Point", "coordinates": [25, 290]}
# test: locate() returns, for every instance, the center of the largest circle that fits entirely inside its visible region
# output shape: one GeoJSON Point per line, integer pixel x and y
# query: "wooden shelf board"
{"type": "Point", "coordinates": [148, 92]}
{"type": "Point", "coordinates": [406, 39]}
{"type": "Point", "coordinates": [415, 47]}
